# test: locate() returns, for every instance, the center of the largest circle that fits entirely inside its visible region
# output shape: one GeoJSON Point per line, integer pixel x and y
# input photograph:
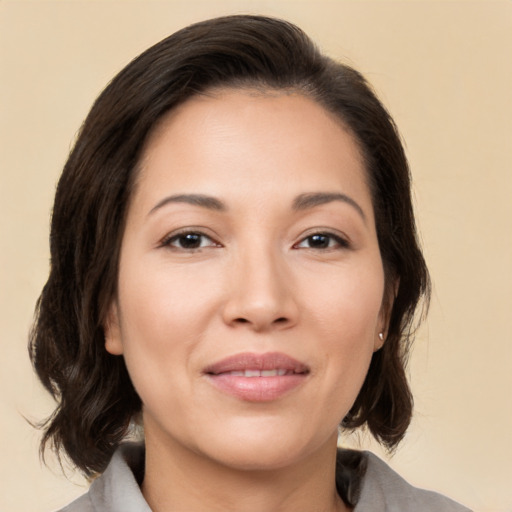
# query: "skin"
{"type": "Point", "coordinates": [256, 282]}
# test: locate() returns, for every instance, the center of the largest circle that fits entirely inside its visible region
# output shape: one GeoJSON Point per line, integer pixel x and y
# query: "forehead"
{"type": "Point", "coordinates": [251, 138]}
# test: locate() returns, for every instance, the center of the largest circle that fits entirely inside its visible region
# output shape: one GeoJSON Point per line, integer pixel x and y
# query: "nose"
{"type": "Point", "coordinates": [260, 295]}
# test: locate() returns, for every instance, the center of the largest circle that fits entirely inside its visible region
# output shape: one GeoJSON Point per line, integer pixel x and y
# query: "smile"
{"type": "Point", "coordinates": [261, 373]}
{"type": "Point", "coordinates": [257, 377]}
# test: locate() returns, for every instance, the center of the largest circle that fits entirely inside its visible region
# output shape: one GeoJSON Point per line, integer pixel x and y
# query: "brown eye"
{"type": "Point", "coordinates": [322, 241]}
{"type": "Point", "coordinates": [318, 241]}
{"type": "Point", "coordinates": [189, 241]}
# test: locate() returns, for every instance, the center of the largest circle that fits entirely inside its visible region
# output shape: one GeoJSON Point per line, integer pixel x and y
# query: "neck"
{"type": "Point", "coordinates": [178, 479]}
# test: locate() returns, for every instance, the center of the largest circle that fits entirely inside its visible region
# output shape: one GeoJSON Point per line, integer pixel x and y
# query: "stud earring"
{"type": "Point", "coordinates": [381, 336]}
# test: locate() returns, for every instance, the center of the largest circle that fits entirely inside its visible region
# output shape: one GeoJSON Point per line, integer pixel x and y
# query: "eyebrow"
{"type": "Point", "coordinates": [306, 201]}
{"type": "Point", "coordinates": [211, 203]}
{"type": "Point", "coordinates": [300, 203]}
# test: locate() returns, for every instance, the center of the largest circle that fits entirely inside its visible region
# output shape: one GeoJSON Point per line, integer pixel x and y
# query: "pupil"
{"type": "Point", "coordinates": [319, 241]}
{"type": "Point", "coordinates": [190, 241]}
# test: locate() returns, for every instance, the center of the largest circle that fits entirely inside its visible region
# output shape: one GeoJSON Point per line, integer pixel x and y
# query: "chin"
{"type": "Point", "coordinates": [254, 458]}
{"type": "Point", "coordinates": [263, 449]}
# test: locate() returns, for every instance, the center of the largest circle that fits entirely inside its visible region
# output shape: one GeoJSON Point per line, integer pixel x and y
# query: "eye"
{"type": "Point", "coordinates": [322, 241]}
{"type": "Point", "coordinates": [189, 240]}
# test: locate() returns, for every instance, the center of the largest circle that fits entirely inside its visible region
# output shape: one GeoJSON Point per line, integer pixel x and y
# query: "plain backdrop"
{"type": "Point", "coordinates": [444, 70]}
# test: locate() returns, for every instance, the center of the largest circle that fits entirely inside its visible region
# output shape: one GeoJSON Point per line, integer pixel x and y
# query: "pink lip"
{"type": "Point", "coordinates": [264, 388]}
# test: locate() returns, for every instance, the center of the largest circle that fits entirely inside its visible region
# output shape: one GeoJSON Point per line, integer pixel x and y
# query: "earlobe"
{"type": "Point", "coordinates": [113, 344]}
{"type": "Point", "coordinates": [385, 315]}
{"type": "Point", "coordinates": [379, 342]}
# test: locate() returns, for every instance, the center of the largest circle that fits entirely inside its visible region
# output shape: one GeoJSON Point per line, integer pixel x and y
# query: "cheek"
{"type": "Point", "coordinates": [163, 317]}
{"type": "Point", "coordinates": [347, 317]}
{"type": "Point", "coordinates": [162, 301]}
{"type": "Point", "coordinates": [348, 303]}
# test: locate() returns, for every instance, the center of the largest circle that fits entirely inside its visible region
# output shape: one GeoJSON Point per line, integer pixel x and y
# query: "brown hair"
{"type": "Point", "coordinates": [96, 399]}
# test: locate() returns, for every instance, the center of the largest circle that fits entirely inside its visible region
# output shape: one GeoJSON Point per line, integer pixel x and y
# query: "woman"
{"type": "Point", "coordinates": [235, 268]}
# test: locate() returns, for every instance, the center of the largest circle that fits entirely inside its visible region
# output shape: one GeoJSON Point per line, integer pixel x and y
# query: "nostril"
{"type": "Point", "coordinates": [280, 320]}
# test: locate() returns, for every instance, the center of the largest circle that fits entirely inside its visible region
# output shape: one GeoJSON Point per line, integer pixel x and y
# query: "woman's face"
{"type": "Point", "coordinates": [250, 294]}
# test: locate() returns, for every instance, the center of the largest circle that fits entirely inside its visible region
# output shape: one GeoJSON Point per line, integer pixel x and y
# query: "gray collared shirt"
{"type": "Point", "coordinates": [382, 490]}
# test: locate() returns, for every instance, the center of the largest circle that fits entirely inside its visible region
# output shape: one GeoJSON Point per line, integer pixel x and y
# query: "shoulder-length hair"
{"type": "Point", "coordinates": [96, 399]}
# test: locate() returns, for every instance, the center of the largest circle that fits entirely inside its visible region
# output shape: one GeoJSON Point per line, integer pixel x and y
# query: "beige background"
{"type": "Point", "coordinates": [443, 69]}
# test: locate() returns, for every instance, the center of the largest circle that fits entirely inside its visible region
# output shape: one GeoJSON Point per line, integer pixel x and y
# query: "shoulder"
{"type": "Point", "coordinates": [382, 489]}
{"type": "Point", "coordinates": [117, 489]}
{"type": "Point", "coordinates": [82, 504]}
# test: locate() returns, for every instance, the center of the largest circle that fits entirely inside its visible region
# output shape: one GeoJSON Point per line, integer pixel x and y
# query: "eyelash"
{"type": "Point", "coordinates": [176, 237]}
{"type": "Point", "coordinates": [334, 241]}
{"type": "Point", "coordinates": [339, 242]}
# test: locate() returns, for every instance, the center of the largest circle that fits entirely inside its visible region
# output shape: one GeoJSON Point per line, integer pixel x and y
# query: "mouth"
{"type": "Point", "coordinates": [260, 373]}
{"type": "Point", "coordinates": [257, 377]}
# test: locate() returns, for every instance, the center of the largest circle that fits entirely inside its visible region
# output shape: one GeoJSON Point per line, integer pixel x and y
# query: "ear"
{"type": "Point", "coordinates": [113, 343]}
{"type": "Point", "coordinates": [385, 314]}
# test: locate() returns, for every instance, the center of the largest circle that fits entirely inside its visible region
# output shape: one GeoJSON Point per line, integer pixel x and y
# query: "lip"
{"type": "Point", "coordinates": [237, 375]}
